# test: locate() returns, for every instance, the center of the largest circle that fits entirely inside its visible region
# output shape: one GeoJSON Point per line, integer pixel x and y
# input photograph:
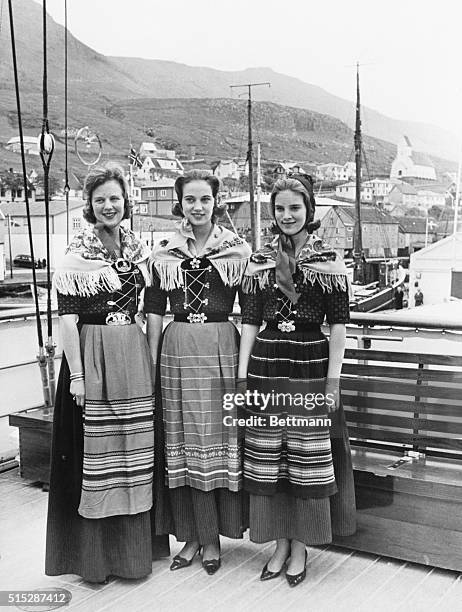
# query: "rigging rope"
{"type": "Point", "coordinates": [46, 153]}
{"type": "Point", "coordinates": [41, 355]}
{"type": "Point", "coordinates": [66, 166]}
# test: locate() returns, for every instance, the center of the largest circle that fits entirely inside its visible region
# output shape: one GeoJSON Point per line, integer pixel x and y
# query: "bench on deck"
{"type": "Point", "coordinates": [404, 415]}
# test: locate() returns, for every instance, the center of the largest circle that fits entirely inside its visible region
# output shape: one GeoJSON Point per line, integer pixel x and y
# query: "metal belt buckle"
{"type": "Point", "coordinates": [118, 318]}
{"type": "Point", "coordinates": [286, 326]}
{"type": "Point", "coordinates": [196, 317]}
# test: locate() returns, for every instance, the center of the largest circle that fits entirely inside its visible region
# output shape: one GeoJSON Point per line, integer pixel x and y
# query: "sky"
{"type": "Point", "coordinates": [410, 50]}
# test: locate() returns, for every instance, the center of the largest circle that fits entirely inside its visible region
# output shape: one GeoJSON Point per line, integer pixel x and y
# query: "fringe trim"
{"type": "Point", "coordinates": [327, 281]}
{"type": "Point", "coordinates": [170, 274]}
{"type": "Point", "coordinates": [86, 284]}
{"type": "Point", "coordinates": [230, 270]}
{"type": "Point", "coordinates": [260, 281]}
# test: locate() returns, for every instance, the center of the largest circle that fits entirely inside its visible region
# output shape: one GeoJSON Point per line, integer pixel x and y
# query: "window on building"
{"type": "Point", "coordinates": [151, 193]}
{"type": "Point", "coordinates": [163, 193]}
{"type": "Point", "coordinates": [143, 209]}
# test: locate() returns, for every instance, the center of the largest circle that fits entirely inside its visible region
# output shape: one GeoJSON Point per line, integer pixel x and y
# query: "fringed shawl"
{"type": "Point", "coordinates": [227, 253]}
{"type": "Point", "coordinates": [86, 268]}
{"type": "Point", "coordinates": [317, 261]}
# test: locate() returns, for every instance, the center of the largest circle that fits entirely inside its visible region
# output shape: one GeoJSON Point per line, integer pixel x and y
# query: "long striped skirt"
{"type": "Point", "coordinates": [99, 519]}
{"type": "Point", "coordinates": [201, 494]}
{"type": "Point", "coordinates": [299, 475]}
{"type": "Point", "coordinates": [198, 366]}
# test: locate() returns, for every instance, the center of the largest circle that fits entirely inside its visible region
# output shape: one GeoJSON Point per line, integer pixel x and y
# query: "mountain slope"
{"type": "Point", "coordinates": [101, 90]}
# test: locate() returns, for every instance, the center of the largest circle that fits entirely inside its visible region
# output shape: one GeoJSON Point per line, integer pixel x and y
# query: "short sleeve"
{"type": "Point", "coordinates": [337, 306]}
{"type": "Point", "coordinates": [155, 298]}
{"type": "Point", "coordinates": [70, 304]}
{"type": "Point", "coordinates": [251, 307]}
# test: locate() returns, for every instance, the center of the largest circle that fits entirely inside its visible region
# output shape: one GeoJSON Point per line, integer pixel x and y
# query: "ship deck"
{"type": "Point", "coordinates": [337, 579]}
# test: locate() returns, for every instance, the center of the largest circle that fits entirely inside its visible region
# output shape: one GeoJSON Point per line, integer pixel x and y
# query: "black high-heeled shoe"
{"type": "Point", "coordinates": [267, 574]}
{"type": "Point", "coordinates": [179, 562]}
{"type": "Point", "coordinates": [296, 579]}
{"type": "Point", "coordinates": [212, 566]}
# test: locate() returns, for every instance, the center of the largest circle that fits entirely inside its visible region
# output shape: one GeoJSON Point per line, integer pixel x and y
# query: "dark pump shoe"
{"type": "Point", "coordinates": [180, 562]}
{"type": "Point", "coordinates": [267, 574]}
{"type": "Point", "coordinates": [211, 566]}
{"type": "Point", "coordinates": [296, 579]}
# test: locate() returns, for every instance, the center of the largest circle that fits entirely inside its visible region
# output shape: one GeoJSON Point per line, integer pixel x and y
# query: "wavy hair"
{"type": "Point", "coordinates": [96, 177]}
{"type": "Point", "coordinates": [219, 207]}
{"type": "Point", "coordinates": [302, 184]}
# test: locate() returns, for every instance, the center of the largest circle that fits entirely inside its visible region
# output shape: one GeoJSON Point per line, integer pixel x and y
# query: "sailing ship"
{"type": "Point", "coordinates": [374, 282]}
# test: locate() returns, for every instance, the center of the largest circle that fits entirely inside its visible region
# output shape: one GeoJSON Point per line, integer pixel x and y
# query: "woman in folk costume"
{"type": "Point", "coordinates": [199, 270]}
{"type": "Point", "coordinates": [299, 479]}
{"type": "Point", "coordinates": [99, 520]}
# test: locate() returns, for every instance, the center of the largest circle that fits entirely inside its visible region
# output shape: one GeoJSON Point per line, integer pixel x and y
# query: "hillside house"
{"type": "Point", "coordinates": [227, 168]}
{"type": "Point", "coordinates": [157, 198]}
{"type": "Point", "coordinates": [403, 194]}
{"type": "Point", "coordinates": [414, 232]}
{"type": "Point", "coordinates": [12, 188]}
{"type": "Point", "coordinates": [336, 172]}
{"type": "Point", "coordinates": [436, 196]}
{"type": "Point", "coordinates": [284, 169]}
{"type": "Point", "coordinates": [379, 230]}
{"type": "Point", "coordinates": [16, 212]}
{"type": "Point", "coordinates": [239, 211]}
{"type": "Point", "coordinates": [30, 145]}
{"type": "Point", "coordinates": [409, 164]}
{"type": "Point", "coordinates": [156, 168]}
{"type": "Point", "coordinates": [331, 172]}
{"type": "Point", "coordinates": [347, 191]}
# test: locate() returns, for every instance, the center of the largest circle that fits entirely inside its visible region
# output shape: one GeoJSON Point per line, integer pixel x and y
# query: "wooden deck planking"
{"type": "Point", "coordinates": [328, 587]}
{"type": "Point", "coordinates": [428, 594]}
{"type": "Point", "coordinates": [279, 595]}
{"type": "Point", "coordinates": [452, 599]}
{"type": "Point", "coordinates": [391, 594]}
{"type": "Point", "coordinates": [337, 579]}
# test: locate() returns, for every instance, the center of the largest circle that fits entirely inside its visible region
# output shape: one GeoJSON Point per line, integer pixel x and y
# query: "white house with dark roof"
{"type": "Point", "coordinates": [284, 169]}
{"type": "Point", "coordinates": [16, 213]}
{"type": "Point", "coordinates": [409, 164]}
{"type": "Point", "coordinates": [227, 168]}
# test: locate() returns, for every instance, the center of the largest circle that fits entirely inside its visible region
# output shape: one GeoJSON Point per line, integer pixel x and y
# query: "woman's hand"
{"type": "Point", "coordinates": [332, 395]}
{"type": "Point", "coordinates": [77, 390]}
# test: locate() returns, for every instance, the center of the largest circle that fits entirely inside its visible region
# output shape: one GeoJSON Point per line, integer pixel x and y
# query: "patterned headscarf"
{"type": "Point", "coordinates": [317, 261]}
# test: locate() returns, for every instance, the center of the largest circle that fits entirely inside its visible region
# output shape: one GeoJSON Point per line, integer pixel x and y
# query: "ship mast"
{"type": "Point", "coordinates": [358, 255]}
{"type": "Point", "coordinates": [254, 224]}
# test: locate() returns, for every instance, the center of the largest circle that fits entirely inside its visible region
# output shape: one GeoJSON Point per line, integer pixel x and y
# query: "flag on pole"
{"type": "Point", "coordinates": [135, 159]}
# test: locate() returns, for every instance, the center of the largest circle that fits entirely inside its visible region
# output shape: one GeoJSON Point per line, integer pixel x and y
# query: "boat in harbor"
{"type": "Point", "coordinates": [374, 281]}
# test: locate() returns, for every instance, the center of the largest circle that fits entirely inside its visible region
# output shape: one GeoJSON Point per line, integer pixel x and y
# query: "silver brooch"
{"type": "Point", "coordinates": [195, 317]}
{"type": "Point", "coordinates": [286, 326]}
{"type": "Point", "coordinates": [122, 265]}
{"type": "Point", "coordinates": [195, 263]}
